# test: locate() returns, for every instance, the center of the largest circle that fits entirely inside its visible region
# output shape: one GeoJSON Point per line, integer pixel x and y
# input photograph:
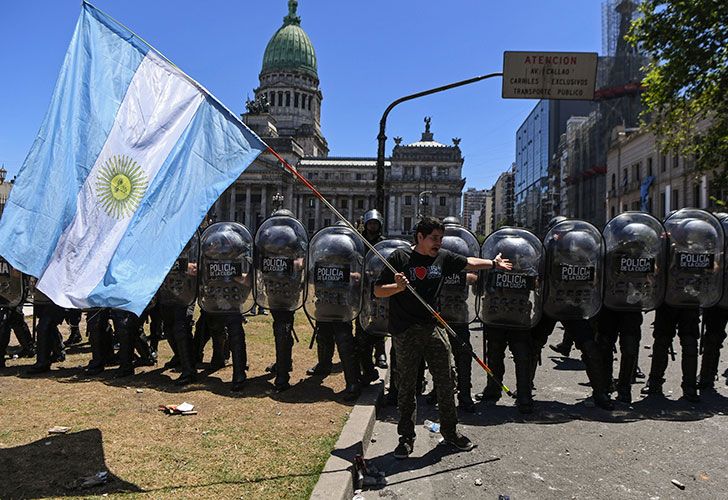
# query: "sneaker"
{"type": "Point", "coordinates": [460, 442]}
{"type": "Point", "coordinates": [403, 449]}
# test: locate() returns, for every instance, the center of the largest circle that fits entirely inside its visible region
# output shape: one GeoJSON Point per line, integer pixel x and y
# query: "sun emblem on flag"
{"type": "Point", "coordinates": [120, 186]}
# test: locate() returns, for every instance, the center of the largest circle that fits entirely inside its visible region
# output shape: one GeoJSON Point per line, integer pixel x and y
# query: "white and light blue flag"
{"type": "Point", "coordinates": [129, 159]}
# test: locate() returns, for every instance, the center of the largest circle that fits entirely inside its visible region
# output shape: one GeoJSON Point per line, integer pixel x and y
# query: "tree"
{"type": "Point", "coordinates": [686, 95]}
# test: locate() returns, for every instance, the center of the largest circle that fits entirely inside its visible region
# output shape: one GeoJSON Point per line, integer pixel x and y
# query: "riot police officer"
{"type": "Point", "coordinates": [573, 295]}
{"type": "Point", "coordinates": [176, 299]}
{"type": "Point", "coordinates": [12, 295]}
{"type": "Point", "coordinates": [101, 339]}
{"type": "Point", "coordinates": [49, 317]}
{"type": "Point", "coordinates": [281, 243]}
{"type": "Point", "coordinates": [511, 307]}
{"type": "Point", "coordinates": [634, 281]}
{"type": "Point", "coordinates": [226, 254]}
{"type": "Point", "coordinates": [457, 303]}
{"type": "Point", "coordinates": [371, 345]}
{"type": "Point", "coordinates": [333, 299]}
{"type": "Point", "coordinates": [694, 280]}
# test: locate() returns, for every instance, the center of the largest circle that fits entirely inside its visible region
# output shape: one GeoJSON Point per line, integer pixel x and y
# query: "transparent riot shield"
{"type": "Point", "coordinates": [12, 286]}
{"type": "Point", "coordinates": [695, 259]}
{"type": "Point", "coordinates": [513, 299]}
{"type": "Point", "coordinates": [458, 294]}
{"type": "Point", "coordinates": [374, 317]}
{"type": "Point", "coordinates": [226, 257]}
{"type": "Point", "coordinates": [179, 287]}
{"type": "Point", "coordinates": [574, 268]}
{"type": "Point", "coordinates": [634, 268]}
{"type": "Point", "coordinates": [280, 249]}
{"type": "Point", "coordinates": [334, 281]}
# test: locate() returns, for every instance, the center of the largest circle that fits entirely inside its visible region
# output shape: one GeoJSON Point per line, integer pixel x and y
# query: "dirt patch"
{"type": "Point", "coordinates": [252, 444]}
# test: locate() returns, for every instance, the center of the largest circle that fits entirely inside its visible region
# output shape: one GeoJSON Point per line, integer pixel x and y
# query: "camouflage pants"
{"type": "Point", "coordinates": [410, 347]}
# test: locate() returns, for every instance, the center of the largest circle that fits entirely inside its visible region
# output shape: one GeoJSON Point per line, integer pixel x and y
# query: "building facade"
{"type": "Point", "coordinates": [474, 201]}
{"type": "Point", "coordinates": [286, 114]}
{"type": "Point", "coordinates": [503, 199]}
{"type": "Point", "coordinates": [641, 177]}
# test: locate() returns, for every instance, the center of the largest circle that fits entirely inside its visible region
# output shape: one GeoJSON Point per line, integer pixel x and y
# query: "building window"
{"type": "Point", "coordinates": [625, 179]}
{"type": "Point", "coordinates": [443, 172]}
{"type": "Point", "coordinates": [407, 224]}
{"type": "Point", "coordinates": [409, 171]}
{"type": "Point", "coordinates": [360, 177]}
{"type": "Point", "coordinates": [675, 161]}
{"type": "Point", "coordinates": [613, 211]}
{"type": "Point", "coordinates": [295, 99]}
{"type": "Point", "coordinates": [614, 183]}
{"type": "Point", "coordinates": [344, 203]}
{"type": "Point", "coordinates": [663, 163]}
{"type": "Point", "coordinates": [675, 203]}
{"type": "Point", "coordinates": [309, 103]}
{"type": "Point", "coordinates": [426, 172]}
{"type": "Point", "coordinates": [360, 204]}
{"type": "Point", "coordinates": [272, 98]}
{"type": "Point", "coordinates": [311, 202]}
{"type": "Point", "coordinates": [408, 200]}
{"type": "Point", "coordinates": [696, 196]}
{"type": "Point", "coordinates": [311, 225]}
{"type": "Point", "coordinates": [663, 203]}
{"type": "Point", "coordinates": [280, 98]}
{"type": "Point", "coordinates": [443, 201]}
{"type": "Point", "coordinates": [649, 166]}
{"type": "Point", "coordinates": [303, 101]}
{"type": "Point", "coordinates": [326, 176]}
{"type": "Point", "coordinates": [636, 172]}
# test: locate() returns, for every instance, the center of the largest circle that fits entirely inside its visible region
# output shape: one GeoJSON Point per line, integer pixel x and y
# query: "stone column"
{"type": "Point", "coordinates": [264, 201]}
{"type": "Point", "coordinates": [351, 208]}
{"type": "Point", "coordinates": [233, 194]}
{"type": "Point", "coordinates": [318, 214]}
{"type": "Point", "coordinates": [248, 216]}
{"type": "Point", "coordinates": [289, 198]}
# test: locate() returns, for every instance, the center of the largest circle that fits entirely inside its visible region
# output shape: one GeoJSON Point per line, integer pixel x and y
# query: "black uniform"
{"type": "Point", "coordinates": [283, 336]}
{"type": "Point", "coordinates": [626, 325]}
{"type": "Point", "coordinates": [366, 345]}
{"type": "Point", "coordinates": [714, 319]}
{"type": "Point", "coordinates": [12, 318]}
{"type": "Point", "coordinates": [47, 333]}
{"type": "Point", "coordinates": [328, 334]}
{"type": "Point", "coordinates": [520, 344]}
{"type": "Point", "coordinates": [686, 320]}
{"type": "Point", "coordinates": [231, 324]}
{"type": "Point", "coordinates": [101, 338]}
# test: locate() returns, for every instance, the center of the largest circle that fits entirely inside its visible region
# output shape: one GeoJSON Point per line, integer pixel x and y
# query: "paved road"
{"type": "Point", "coordinates": [567, 448]}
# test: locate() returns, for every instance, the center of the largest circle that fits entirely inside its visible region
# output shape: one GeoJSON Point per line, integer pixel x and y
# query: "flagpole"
{"type": "Point", "coordinates": [429, 308]}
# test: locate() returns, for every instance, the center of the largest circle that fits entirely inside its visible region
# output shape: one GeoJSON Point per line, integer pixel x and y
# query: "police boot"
{"type": "Point", "coordinates": [629, 350]}
{"type": "Point", "coordinates": [591, 357]}
{"type": "Point", "coordinates": [689, 362]}
{"type": "Point", "coordinates": [709, 367]}
{"type": "Point", "coordinates": [4, 342]}
{"type": "Point", "coordinates": [188, 373]}
{"type": "Point", "coordinates": [284, 351]}
{"type": "Point", "coordinates": [96, 365]}
{"type": "Point", "coordinates": [74, 338]}
{"type": "Point", "coordinates": [495, 349]}
{"type": "Point", "coordinates": [364, 350]}
{"type": "Point", "coordinates": [239, 355]}
{"type": "Point", "coordinates": [660, 351]}
{"type": "Point", "coordinates": [146, 356]}
{"type": "Point", "coordinates": [126, 353]}
{"type": "Point", "coordinates": [218, 351]}
{"type": "Point", "coordinates": [25, 339]}
{"type": "Point", "coordinates": [43, 352]}
{"type": "Point", "coordinates": [524, 397]}
{"type": "Point", "coordinates": [380, 355]}
{"type": "Point", "coordinates": [325, 355]}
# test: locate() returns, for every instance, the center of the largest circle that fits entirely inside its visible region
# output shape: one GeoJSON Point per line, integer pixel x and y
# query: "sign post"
{"type": "Point", "coordinates": [549, 75]}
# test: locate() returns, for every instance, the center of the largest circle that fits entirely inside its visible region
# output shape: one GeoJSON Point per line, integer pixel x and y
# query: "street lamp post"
{"type": "Point", "coordinates": [422, 201]}
{"type": "Point", "coordinates": [382, 137]}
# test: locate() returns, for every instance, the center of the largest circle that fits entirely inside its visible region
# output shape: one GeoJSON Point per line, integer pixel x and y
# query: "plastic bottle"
{"type": "Point", "coordinates": [431, 426]}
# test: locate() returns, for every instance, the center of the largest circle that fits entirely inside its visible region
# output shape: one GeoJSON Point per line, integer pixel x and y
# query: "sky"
{"type": "Point", "coordinates": [369, 54]}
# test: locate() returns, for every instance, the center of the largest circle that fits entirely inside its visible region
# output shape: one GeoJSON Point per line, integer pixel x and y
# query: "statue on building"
{"type": "Point", "coordinates": [428, 119]}
{"type": "Point", "coordinates": [258, 106]}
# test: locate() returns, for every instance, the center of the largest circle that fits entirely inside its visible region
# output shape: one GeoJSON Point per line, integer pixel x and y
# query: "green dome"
{"type": "Point", "coordinates": [290, 48]}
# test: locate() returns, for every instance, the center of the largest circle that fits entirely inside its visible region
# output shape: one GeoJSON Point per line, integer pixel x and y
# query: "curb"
{"type": "Point", "coordinates": [336, 480]}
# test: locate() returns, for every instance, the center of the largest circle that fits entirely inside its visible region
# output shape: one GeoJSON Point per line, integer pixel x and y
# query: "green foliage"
{"type": "Point", "coordinates": [686, 96]}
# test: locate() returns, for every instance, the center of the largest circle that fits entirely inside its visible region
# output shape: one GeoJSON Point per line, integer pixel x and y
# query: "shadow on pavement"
{"type": "Point", "coordinates": [56, 465]}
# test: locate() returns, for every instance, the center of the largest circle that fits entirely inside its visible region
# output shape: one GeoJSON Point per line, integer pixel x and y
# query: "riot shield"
{"type": "Point", "coordinates": [695, 259]}
{"type": "Point", "coordinates": [574, 267]}
{"type": "Point", "coordinates": [513, 299]}
{"type": "Point", "coordinates": [280, 249]}
{"type": "Point", "coordinates": [179, 287]}
{"type": "Point", "coordinates": [35, 296]}
{"type": "Point", "coordinates": [458, 294]}
{"type": "Point", "coordinates": [636, 250]}
{"type": "Point", "coordinates": [12, 286]}
{"type": "Point", "coordinates": [374, 317]}
{"type": "Point", "coordinates": [226, 257]}
{"type": "Point", "coordinates": [334, 281]}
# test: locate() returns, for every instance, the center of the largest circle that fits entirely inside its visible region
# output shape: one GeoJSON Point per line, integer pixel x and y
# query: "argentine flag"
{"type": "Point", "coordinates": [129, 159]}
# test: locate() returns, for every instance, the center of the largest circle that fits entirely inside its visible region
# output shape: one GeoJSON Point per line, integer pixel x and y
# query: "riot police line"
{"type": "Point", "coordinates": [596, 283]}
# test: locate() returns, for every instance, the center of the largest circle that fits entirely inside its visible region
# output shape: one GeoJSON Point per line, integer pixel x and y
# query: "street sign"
{"type": "Point", "coordinates": [549, 75]}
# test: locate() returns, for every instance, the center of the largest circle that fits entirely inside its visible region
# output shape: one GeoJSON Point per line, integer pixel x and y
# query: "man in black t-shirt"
{"type": "Point", "coordinates": [415, 333]}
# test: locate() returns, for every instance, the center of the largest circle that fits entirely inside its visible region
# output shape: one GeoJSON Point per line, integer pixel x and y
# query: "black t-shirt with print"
{"type": "Point", "coordinates": [425, 274]}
